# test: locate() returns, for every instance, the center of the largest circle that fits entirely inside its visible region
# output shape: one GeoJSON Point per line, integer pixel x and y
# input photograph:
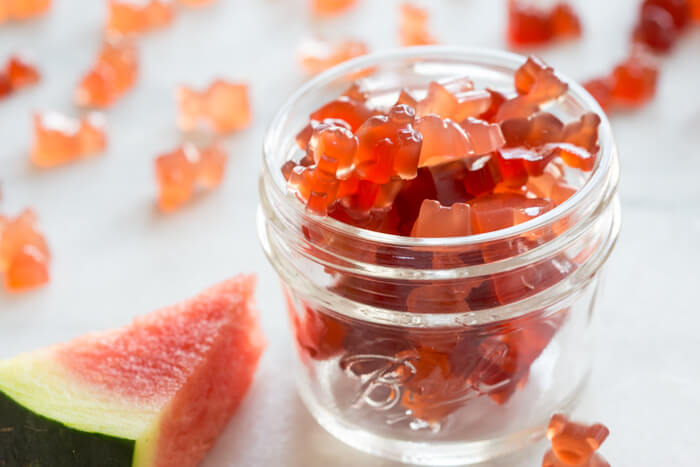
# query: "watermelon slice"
{"type": "Point", "coordinates": [154, 393]}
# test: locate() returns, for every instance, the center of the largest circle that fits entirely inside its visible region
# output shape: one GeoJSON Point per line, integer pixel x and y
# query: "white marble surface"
{"type": "Point", "coordinates": [115, 257]}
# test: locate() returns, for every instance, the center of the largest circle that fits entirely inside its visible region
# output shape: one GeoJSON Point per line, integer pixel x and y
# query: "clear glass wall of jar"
{"type": "Point", "coordinates": [438, 351]}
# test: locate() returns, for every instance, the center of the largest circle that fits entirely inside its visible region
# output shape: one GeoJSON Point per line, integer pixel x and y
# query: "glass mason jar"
{"type": "Point", "coordinates": [439, 351]}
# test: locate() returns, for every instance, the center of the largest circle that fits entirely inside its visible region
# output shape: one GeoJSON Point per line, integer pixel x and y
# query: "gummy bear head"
{"type": "Point", "coordinates": [574, 443]}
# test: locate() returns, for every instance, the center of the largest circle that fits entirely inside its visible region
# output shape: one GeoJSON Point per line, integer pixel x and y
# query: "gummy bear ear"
{"type": "Point", "coordinates": [596, 434]}
{"type": "Point", "coordinates": [556, 425]}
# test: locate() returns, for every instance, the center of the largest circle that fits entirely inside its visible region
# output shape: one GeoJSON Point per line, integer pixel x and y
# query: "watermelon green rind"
{"type": "Point", "coordinates": [35, 381]}
{"type": "Point", "coordinates": [43, 438]}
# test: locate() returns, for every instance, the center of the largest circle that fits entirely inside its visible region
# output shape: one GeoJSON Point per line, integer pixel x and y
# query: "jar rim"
{"type": "Point", "coordinates": [482, 56]}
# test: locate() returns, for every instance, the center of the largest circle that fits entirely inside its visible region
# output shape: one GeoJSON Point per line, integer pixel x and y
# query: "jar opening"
{"type": "Point", "coordinates": [433, 61]}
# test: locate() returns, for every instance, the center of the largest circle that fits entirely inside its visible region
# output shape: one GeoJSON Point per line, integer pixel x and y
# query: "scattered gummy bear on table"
{"type": "Point", "coordinates": [21, 10]}
{"type": "Point", "coordinates": [316, 55]}
{"type": "Point", "coordinates": [413, 26]}
{"type": "Point", "coordinates": [59, 139]}
{"type": "Point", "coordinates": [222, 107]}
{"type": "Point", "coordinates": [457, 161]}
{"type": "Point", "coordinates": [17, 74]}
{"type": "Point", "coordinates": [24, 254]}
{"type": "Point", "coordinates": [113, 74]}
{"type": "Point", "coordinates": [529, 25]}
{"type": "Point", "coordinates": [179, 173]}
{"type": "Point", "coordinates": [574, 444]}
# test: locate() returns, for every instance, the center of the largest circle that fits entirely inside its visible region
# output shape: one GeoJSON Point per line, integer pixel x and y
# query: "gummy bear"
{"type": "Point", "coordinates": [631, 84]}
{"type": "Point", "coordinates": [389, 146]}
{"type": "Point", "coordinates": [497, 99]}
{"type": "Point", "coordinates": [435, 220]}
{"type": "Point", "coordinates": [656, 28]}
{"type": "Point", "coordinates": [331, 7]}
{"type": "Point", "coordinates": [529, 26]}
{"type": "Point", "coordinates": [482, 176]}
{"type": "Point", "coordinates": [601, 90]}
{"type": "Point", "coordinates": [59, 139]}
{"type": "Point", "coordinates": [318, 334]}
{"type": "Point", "coordinates": [317, 56]}
{"type": "Point", "coordinates": [551, 185]}
{"type": "Point", "coordinates": [20, 74]}
{"type": "Point", "coordinates": [472, 104]}
{"type": "Point", "coordinates": [112, 75]}
{"type": "Point", "coordinates": [316, 187]}
{"type": "Point", "coordinates": [352, 111]}
{"type": "Point", "coordinates": [443, 141]}
{"type": "Point", "coordinates": [334, 144]}
{"type": "Point", "coordinates": [180, 172]}
{"type": "Point", "coordinates": [499, 211]}
{"type": "Point", "coordinates": [485, 137]}
{"type": "Point", "coordinates": [223, 107]}
{"type": "Point", "coordinates": [24, 254]}
{"type": "Point", "coordinates": [438, 101]}
{"type": "Point", "coordinates": [126, 17]}
{"type": "Point", "coordinates": [680, 10]}
{"type": "Point", "coordinates": [429, 393]}
{"type": "Point", "coordinates": [546, 85]}
{"type": "Point", "coordinates": [512, 353]}
{"type": "Point", "coordinates": [413, 26]}
{"type": "Point", "coordinates": [448, 179]}
{"type": "Point", "coordinates": [574, 444]}
{"type": "Point", "coordinates": [19, 10]}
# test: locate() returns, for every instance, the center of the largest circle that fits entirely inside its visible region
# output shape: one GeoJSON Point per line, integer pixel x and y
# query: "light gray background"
{"type": "Point", "coordinates": [116, 257]}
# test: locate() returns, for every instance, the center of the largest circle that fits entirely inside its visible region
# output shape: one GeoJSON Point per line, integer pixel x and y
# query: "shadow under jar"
{"type": "Point", "coordinates": [439, 351]}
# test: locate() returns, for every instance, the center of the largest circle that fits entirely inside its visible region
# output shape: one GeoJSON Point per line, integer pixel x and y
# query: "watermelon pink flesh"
{"type": "Point", "coordinates": [190, 364]}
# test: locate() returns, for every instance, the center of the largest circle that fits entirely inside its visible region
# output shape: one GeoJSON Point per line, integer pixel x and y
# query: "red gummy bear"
{"type": "Point", "coordinates": [315, 186]}
{"type": "Point", "coordinates": [349, 109]}
{"type": "Point", "coordinates": [17, 74]}
{"type": "Point", "coordinates": [20, 73]}
{"type": "Point", "coordinates": [24, 254]}
{"type": "Point", "coordinates": [631, 84]}
{"type": "Point", "coordinates": [223, 107]}
{"type": "Point", "coordinates": [574, 444]}
{"type": "Point", "coordinates": [529, 26]}
{"type": "Point", "coordinates": [19, 10]}
{"type": "Point", "coordinates": [334, 147]}
{"type": "Point", "coordinates": [316, 56]}
{"type": "Point", "coordinates": [125, 17]}
{"type": "Point", "coordinates": [432, 392]}
{"type": "Point", "coordinates": [656, 28]}
{"type": "Point", "coordinates": [413, 26]}
{"type": "Point", "coordinates": [112, 75]}
{"type": "Point", "coordinates": [59, 139]}
{"type": "Point", "coordinates": [512, 353]}
{"type": "Point", "coordinates": [536, 84]}
{"type": "Point", "coordinates": [389, 146]}
{"type": "Point", "coordinates": [180, 172]}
